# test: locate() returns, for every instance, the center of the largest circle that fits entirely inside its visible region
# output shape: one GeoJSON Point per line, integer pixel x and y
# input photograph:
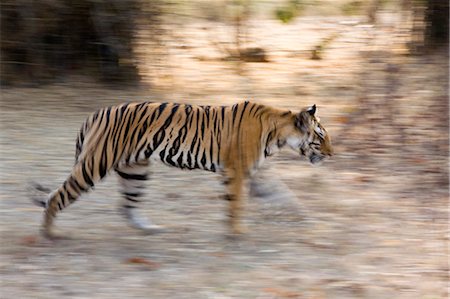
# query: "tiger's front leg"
{"type": "Point", "coordinates": [234, 197]}
{"type": "Point", "coordinates": [132, 179]}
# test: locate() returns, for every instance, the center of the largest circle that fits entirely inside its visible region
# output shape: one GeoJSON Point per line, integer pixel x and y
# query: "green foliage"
{"type": "Point", "coordinates": [291, 10]}
{"type": "Point", "coordinates": [284, 15]}
{"type": "Point", "coordinates": [352, 7]}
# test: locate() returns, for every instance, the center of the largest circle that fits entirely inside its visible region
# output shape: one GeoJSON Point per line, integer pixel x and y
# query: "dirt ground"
{"type": "Point", "coordinates": [372, 222]}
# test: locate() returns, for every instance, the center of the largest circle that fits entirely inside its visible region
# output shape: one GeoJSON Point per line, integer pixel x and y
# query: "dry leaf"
{"type": "Point", "coordinates": [29, 240]}
{"type": "Point", "coordinates": [218, 254]}
{"type": "Point", "coordinates": [139, 260]}
{"type": "Point", "coordinates": [282, 293]}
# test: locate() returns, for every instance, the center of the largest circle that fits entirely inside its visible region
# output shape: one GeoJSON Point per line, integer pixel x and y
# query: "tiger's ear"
{"type": "Point", "coordinates": [303, 121]}
{"type": "Point", "coordinates": [312, 110]}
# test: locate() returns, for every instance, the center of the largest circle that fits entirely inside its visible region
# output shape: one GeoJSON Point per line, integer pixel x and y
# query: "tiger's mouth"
{"type": "Point", "coordinates": [315, 159]}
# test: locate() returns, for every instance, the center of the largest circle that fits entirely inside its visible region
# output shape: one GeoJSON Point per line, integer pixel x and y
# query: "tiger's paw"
{"type": "Point", "coordinates": [237, 231]}
{"type": "Point", "coordinates": [240, 230]}
{"type": "Point", "coordinates": [235, 235]}
{"type": "Point", "coordinates": [139, 222]}
{"type": "Point", "coordinates": [151, 229]}
{"type": "Point", "coordinates": [50, 235]}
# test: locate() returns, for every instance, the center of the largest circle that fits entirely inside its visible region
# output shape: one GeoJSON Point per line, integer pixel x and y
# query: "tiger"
{"type": "Point", "coordinates": [231, 140]}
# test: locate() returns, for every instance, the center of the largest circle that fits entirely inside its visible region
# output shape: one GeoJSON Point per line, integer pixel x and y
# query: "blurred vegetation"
{"type": "Point", "coordinates": [437, 22]}
{"type": "Point", "coordinates": [352, 7]}
{"type": "Point", "coordinates": [45, 41]}
{"type": "Point", "coordinates": [290, 10]}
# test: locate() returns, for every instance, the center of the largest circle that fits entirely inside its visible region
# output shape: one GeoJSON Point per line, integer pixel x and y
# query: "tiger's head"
{"type": "Point", "coordinates": [309, 137]}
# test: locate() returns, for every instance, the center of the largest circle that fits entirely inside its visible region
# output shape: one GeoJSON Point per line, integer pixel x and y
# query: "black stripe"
{"type": "Point", "coordinates": [61, 195]}
{"type": "Point", "coordinates": [202, 127]}
{"type": "Point", "coordinates": [95, 116]}
{"type": "Point", "coordinates": [127, 127]}
{"type": "Point", "coordinates": [229, 197]}
{"type": "Point", "coordinates": [139, 106]}
{"type": "Point", "coordinates": [128, 206]}
{"type": "Point", "coordinates": [223, 115]}
{"type": "Point", "coordinates": [203, 160]}
{"type": "Point", "coordinates": [103, 168]}
{"type": "Point", "coordinates": [149, 151]}
{"type": "Point", "coordinates": [138, 153]}
{"type": "Point", "coordinates": [132, 199]}
{"type": "Point", "coordinates": [162, 154]}
{"type": "Point", "coordinates": [207, 115]}
{"type": "Point", "coordinates": [75, 185]}
{"type": "Point", "coordinates": [191, 114]}
{"type": "Point", "coordinates": [227, 181]}
{"type": "Point", "coordinates": [251, 109]}
{"type": "Point", "coordinates": [142, 130]}
{"type": "Point", "coordinates": [159, 136]}
{"type": "Point", "coordinates": [196, 155]}
{"type": "Point", "coordinates": [242, 115]}
{"type": "Point", "coordinates": [81, 137]}
{"type": "Point", "coordinates": [189, 161]}
{"type": "Point", "coordinates": [169, 158]}
{"type": "Point", "coordinates": [234, 109]}
{"type": "Point", "coordinates": [257, 109]}
{"type": "Point", "coordinates": [130, 176]}
{"type": "Point", "coordinates": [118, 128]}
{"type": "Point", "coordinates": [215, 118]}
{"type": "Point", "coordinates": [183, 133]}
{"type": "Point", "coordinates": [180, 161]}
{"type": "Point", "coordinates": [218, 148]}
{"type": "Point", "coordinates": [152, 117]}
{"type": "Point", "coordinates": [184, 129]}
{"type": "Point", "coordinates": [161, 108]}
{"type": "Point", "coordinates": [123, 142]}
{"type": "Point", "coordinates": [124, 107]}
{"type": "Point", "coordinates": [108, 114]}
{"type": "Point", "coordinates": [133, 133]}
{"type": "Point", "coordinates": [86, 176]}
{"type": "Point", "coordinates": [187, 109]}
{"type": "Point", "coordinates": [243, 110]}
{"type": "Point", "coordinates": [175, 146]}
{"type": "Point", "coordinates": [211, 150]}
{"type": "Point", "coordinates": [194, 141]}
{"type": "Point", "coordinates": [144, 126]}
{"type": "Point", "coordinates": [132, 194]}
{"type": "Point", "coordinates": [101, 114]}
{"type": "Point", "coordinates": [71, 197]}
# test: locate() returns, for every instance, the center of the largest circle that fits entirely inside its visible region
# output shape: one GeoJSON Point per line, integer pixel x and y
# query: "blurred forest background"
{"type": "Point", "coordinates": [372, 222]}
{"type": "Point", "coordinates": [43, 41]}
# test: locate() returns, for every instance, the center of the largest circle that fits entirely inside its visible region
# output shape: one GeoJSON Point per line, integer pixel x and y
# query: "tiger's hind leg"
{"type": "Point", "coordinates": [81, 180]}
{"type": "Point", "coordinates": [132, 180]}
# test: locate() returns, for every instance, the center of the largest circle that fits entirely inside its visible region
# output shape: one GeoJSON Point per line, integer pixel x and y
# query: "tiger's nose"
{"type": "Point", "coordinates": [329, 152]}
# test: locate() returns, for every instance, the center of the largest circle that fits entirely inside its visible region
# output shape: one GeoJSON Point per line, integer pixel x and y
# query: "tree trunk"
{"type": "Point", "coordinates": [436, 18]}
{"type": "Point", "coordinates": [44, 41]}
